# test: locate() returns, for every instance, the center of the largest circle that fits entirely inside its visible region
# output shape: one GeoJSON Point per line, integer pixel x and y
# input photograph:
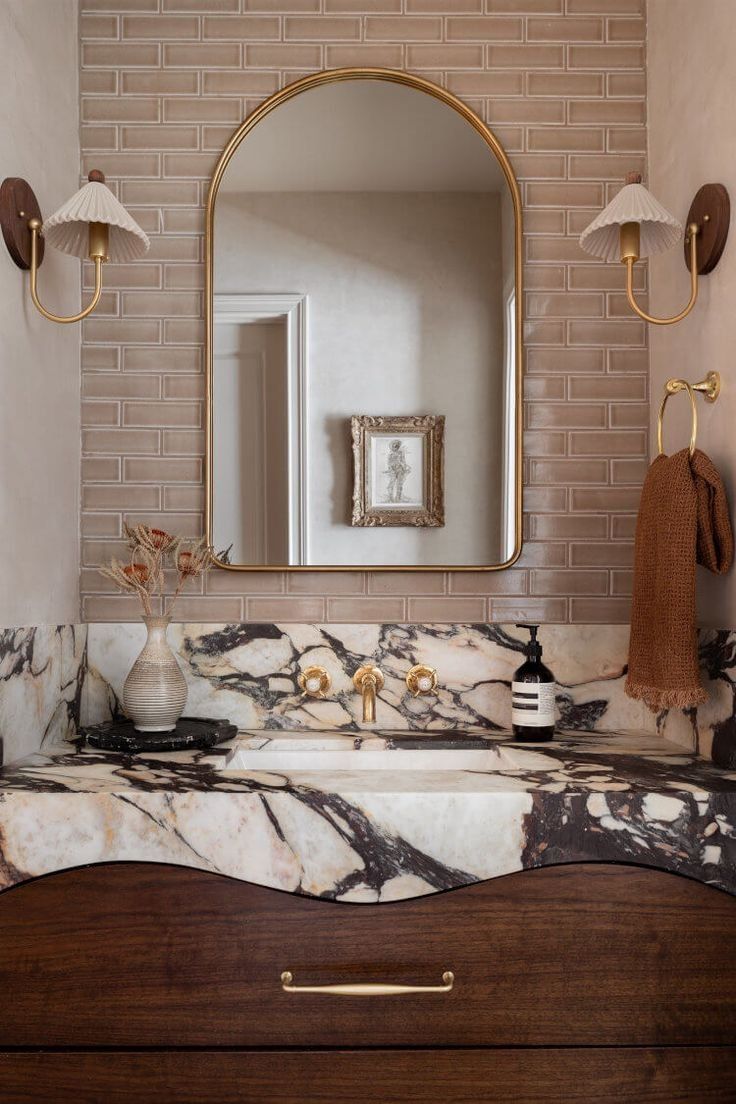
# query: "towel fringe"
{"type": "Point", "coordinates": [656, 698]}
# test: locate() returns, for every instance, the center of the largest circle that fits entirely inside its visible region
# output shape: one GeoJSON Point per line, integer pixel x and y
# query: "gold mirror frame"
{"type": "Point", "coordinates": [330, 76]}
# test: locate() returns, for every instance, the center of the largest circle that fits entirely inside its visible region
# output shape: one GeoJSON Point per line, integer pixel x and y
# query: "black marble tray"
{"type": "Point", "coordinates": [190, 732]}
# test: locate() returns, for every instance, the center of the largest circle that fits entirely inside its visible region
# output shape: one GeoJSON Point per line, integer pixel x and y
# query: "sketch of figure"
{"type": "Point", "coordinates": [397, 470]}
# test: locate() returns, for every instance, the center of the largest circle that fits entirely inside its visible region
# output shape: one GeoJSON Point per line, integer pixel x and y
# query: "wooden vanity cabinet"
{"type": "Point", "coordinates": [137, 982]}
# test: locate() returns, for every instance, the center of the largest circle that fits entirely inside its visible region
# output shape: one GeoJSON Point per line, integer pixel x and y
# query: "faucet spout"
{"type": "Point", "coordinates": [368, 681]}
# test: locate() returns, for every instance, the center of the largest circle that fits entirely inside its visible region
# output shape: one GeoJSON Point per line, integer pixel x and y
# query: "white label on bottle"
{"type": "Point", "coordinates": [533, 704]}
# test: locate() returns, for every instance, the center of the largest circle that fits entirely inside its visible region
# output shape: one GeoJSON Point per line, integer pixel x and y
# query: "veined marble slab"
{"type": "Point", "coordinates": [248, 674]}
{"type": "Point", "coordinates": [375, 835]}
{"type": "Point", "coordinates": [41, 675]}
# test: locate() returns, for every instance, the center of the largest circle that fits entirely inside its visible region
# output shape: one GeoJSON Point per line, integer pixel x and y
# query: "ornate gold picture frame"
{"type": "Point", "coordinates": [398, 464]}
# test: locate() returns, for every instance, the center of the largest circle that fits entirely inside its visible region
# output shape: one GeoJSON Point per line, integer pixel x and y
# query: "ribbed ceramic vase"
{"type": "Point", "coordinates": [155, 691]}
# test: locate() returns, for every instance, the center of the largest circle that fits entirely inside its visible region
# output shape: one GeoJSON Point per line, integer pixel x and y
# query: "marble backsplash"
{"type": "Point", "coordinates": [248, 673]}
{"type": "Point", "coordinates": [54, 677]}
{"type": "Point", "coordinates": [41, 675]}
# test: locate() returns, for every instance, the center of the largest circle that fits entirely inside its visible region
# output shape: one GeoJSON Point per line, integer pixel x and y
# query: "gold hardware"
{"type": "Point", "coordinates": [421, 680]}
{"type": "Point", "coordinates": [99, 238]}
{"type": "Point", "coordinates": [315, 682]}
{"type": "Point", "coordinates": [314, 80]}
{"type": "Point", "coordinates": [367, 989]}
{"type": "Point", "coordinates": [629, 236]}
{"type": "Point", "coordinates": [34, 226]}
{"type": "Point", "coordinates": [630, 259]}
{"type": "Point", "coordinates": [710, 388]}
{"type": "Point", "coordinates": [368, 680]}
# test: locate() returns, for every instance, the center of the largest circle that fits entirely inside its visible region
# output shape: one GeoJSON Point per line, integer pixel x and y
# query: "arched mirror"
{"type": "Point", "coordinates": [363, 333]}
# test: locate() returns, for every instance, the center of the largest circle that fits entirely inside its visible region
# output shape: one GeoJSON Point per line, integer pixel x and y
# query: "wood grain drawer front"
{"type": "Point", "coordinates": [139, 954]}
{"type": "Point", "coordinates": [675, 1075]}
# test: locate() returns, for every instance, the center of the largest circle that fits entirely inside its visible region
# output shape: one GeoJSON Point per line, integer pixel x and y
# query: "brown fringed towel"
{"type": "Point", "coordinates": [683, 517]}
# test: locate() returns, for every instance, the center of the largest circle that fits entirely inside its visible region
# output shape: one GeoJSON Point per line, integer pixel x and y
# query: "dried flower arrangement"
{"type": "Point", "coordinates": [151, 551]}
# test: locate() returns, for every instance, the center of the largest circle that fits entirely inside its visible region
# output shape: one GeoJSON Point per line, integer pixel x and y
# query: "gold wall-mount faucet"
{"type": "Point", "coordinates": [368, 681]}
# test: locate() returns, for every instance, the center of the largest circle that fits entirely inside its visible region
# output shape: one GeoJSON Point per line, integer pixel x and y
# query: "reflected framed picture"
{"type": "Point", "coordinates": [398, 463]}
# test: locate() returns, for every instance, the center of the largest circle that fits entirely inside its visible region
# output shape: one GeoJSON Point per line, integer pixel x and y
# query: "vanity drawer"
{"type": "Point", "coordinates": [672, 1075]}
{"type": "Point", "coordinates": [141, 954]}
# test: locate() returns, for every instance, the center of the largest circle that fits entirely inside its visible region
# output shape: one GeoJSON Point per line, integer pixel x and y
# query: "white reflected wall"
{"type": "Point", "coordinates": [405, 317]}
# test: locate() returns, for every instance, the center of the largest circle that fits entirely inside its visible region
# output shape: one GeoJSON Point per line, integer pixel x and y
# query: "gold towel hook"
{"type": "Point", "coordinates": [710, 388]}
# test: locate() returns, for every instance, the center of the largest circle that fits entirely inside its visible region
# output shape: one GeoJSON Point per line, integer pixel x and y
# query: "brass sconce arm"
{"type": "Point", "coordinates": [81, 228]}
{"type": "Point", "coordinates": [98, 238]}
{"type": "Point", "coordinates": [630, 255]}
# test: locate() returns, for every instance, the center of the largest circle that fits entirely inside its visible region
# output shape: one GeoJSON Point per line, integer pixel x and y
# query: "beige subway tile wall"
{"type": "Point", "coordinates": [562, 83]}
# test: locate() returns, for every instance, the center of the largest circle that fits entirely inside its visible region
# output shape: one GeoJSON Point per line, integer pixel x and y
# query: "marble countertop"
{"type": "Point", "coordinates": [373, 835]}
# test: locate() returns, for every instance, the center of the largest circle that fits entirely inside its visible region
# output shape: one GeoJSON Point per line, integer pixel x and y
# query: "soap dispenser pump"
{"type": "Point", "coordinates": [533, 694]}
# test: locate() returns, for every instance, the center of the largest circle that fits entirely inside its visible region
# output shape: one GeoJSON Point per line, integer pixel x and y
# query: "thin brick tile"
{"type": "Point", "coordinates": [525, 57]}
{"type": "Point", "coordinates": [363, 7]}
{"type": "Point", "coordinates": [121, 441]}
{"type": "Point", "coordinates": [183, 442]}
{"type": "Point", "coordinates": [203, 55]}
{"type": "Point", "coordinates": [245, 27]}
{"type": "Point", "coordinates": [568, 526]}
{"type": "Point", "coordinates": [526, 111]}
{"type": "Point", "coordinates": [98, 525]}
{"type": "Point", "coordinates": [117, 165]}
{"type": "Point", "coordinates": [120, 496]}
{"type": "Point", "coordinates": [407, 582]}
{"type": "Point", "coordinates": [565, 84]}
{"type": "Point", "coordinates": [355, 610]}
{"type": "Point", "coordinates": [162, 359]}
{"type": "Point", "coordinates": [160, 469]}
{"type": "Point", "coordinates": [606, 57]}
{"type": "Point", "coordinates": [565, 30]}
{"type": "Point", "coordinates": [337, 582]}
{"type": "Point", "coordinates": [404, 28]}
{"type": "Point", "coordinates": [116, 385]}
{"type": "Point", "coordinates": [512, 581]}
{"type": "Point", "coordinates": [162, 414]}
{"type": "Point", "coordinates": [485, 84]}
{"type": "Point", "coordinates": [163, 82]}
{"type": "Point", "coordinates": [200, 110]}
{"type": "Point", "coordinates": [452, 610]}
{"type": "Point", "coordinates": [276, 55]}
{"type": "Point", "coordinates": [536, 610]}
{"type": "Point", "coordinates": [485, 29]}
{"type": "Point", "coordinates": [603, 7]}
{"type": "Point", "coordinates": [98, 82]}
{"type": "Point", "coordinates": [201, 6]}
{"type": "Point", "coordinates": [320, 28]}
{"type": "Point", "coordinates": [602, 611]}
{"type": "Point", "coordinates": [160, 27]}
{"type": "Point", "coordinates": [120, 55]}
{"type": "Point", "coordinates": [445, 56]}
{"type": "Point", "coordinates": [388, 56]}
{"type": "Point", "coordinates": [160, 137]}
{"type": "Point", "coordinates": [100, 109]}
{"type": "Point", "coordinates": [282, 609]}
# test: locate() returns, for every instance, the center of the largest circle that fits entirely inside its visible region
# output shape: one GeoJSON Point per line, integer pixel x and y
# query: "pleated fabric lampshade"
{"type": "Point", "coordinates": [659, 230]}
{"type": "Point", "coordinates": [68, 228]}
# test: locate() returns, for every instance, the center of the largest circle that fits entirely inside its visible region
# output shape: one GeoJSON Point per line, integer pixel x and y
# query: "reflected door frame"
{"type": "Point", "coordinates": [291, 308]}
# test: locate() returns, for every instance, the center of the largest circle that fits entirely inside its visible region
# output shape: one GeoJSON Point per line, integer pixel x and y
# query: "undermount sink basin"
{"type": "Point", "coordinates": [326, 752]}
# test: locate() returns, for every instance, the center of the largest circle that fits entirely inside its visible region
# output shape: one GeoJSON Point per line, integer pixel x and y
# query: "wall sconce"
{"type": "Point", "coordinates": [91, 225]}
{"type": "Point", "coordinates": [635, 224]}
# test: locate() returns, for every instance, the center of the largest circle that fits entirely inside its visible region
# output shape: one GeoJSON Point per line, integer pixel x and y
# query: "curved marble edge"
{"type": "Point", "coordinates": [367, 838]}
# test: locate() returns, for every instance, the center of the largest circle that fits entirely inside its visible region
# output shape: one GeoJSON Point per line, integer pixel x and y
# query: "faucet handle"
{"type": "Point", "coordinates": [368, 672]}
{"type": "Point", "coordinates": [421, 680]}
{"type": "Point", "coordinates": [315, 682]}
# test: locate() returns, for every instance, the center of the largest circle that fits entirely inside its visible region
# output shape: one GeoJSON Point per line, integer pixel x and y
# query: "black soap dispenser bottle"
{"type": "Point", "coordinates": [533, 694]}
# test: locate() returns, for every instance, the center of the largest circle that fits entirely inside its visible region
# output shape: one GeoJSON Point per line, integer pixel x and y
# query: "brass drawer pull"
{"type": "Point", "coordinates": [367, 989]}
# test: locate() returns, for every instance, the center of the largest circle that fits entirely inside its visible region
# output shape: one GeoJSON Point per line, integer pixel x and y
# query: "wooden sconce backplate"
{"type": "Point", "coordinates": [18, 204]}
{"type": "Point", "coordinates": [711, 200]}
